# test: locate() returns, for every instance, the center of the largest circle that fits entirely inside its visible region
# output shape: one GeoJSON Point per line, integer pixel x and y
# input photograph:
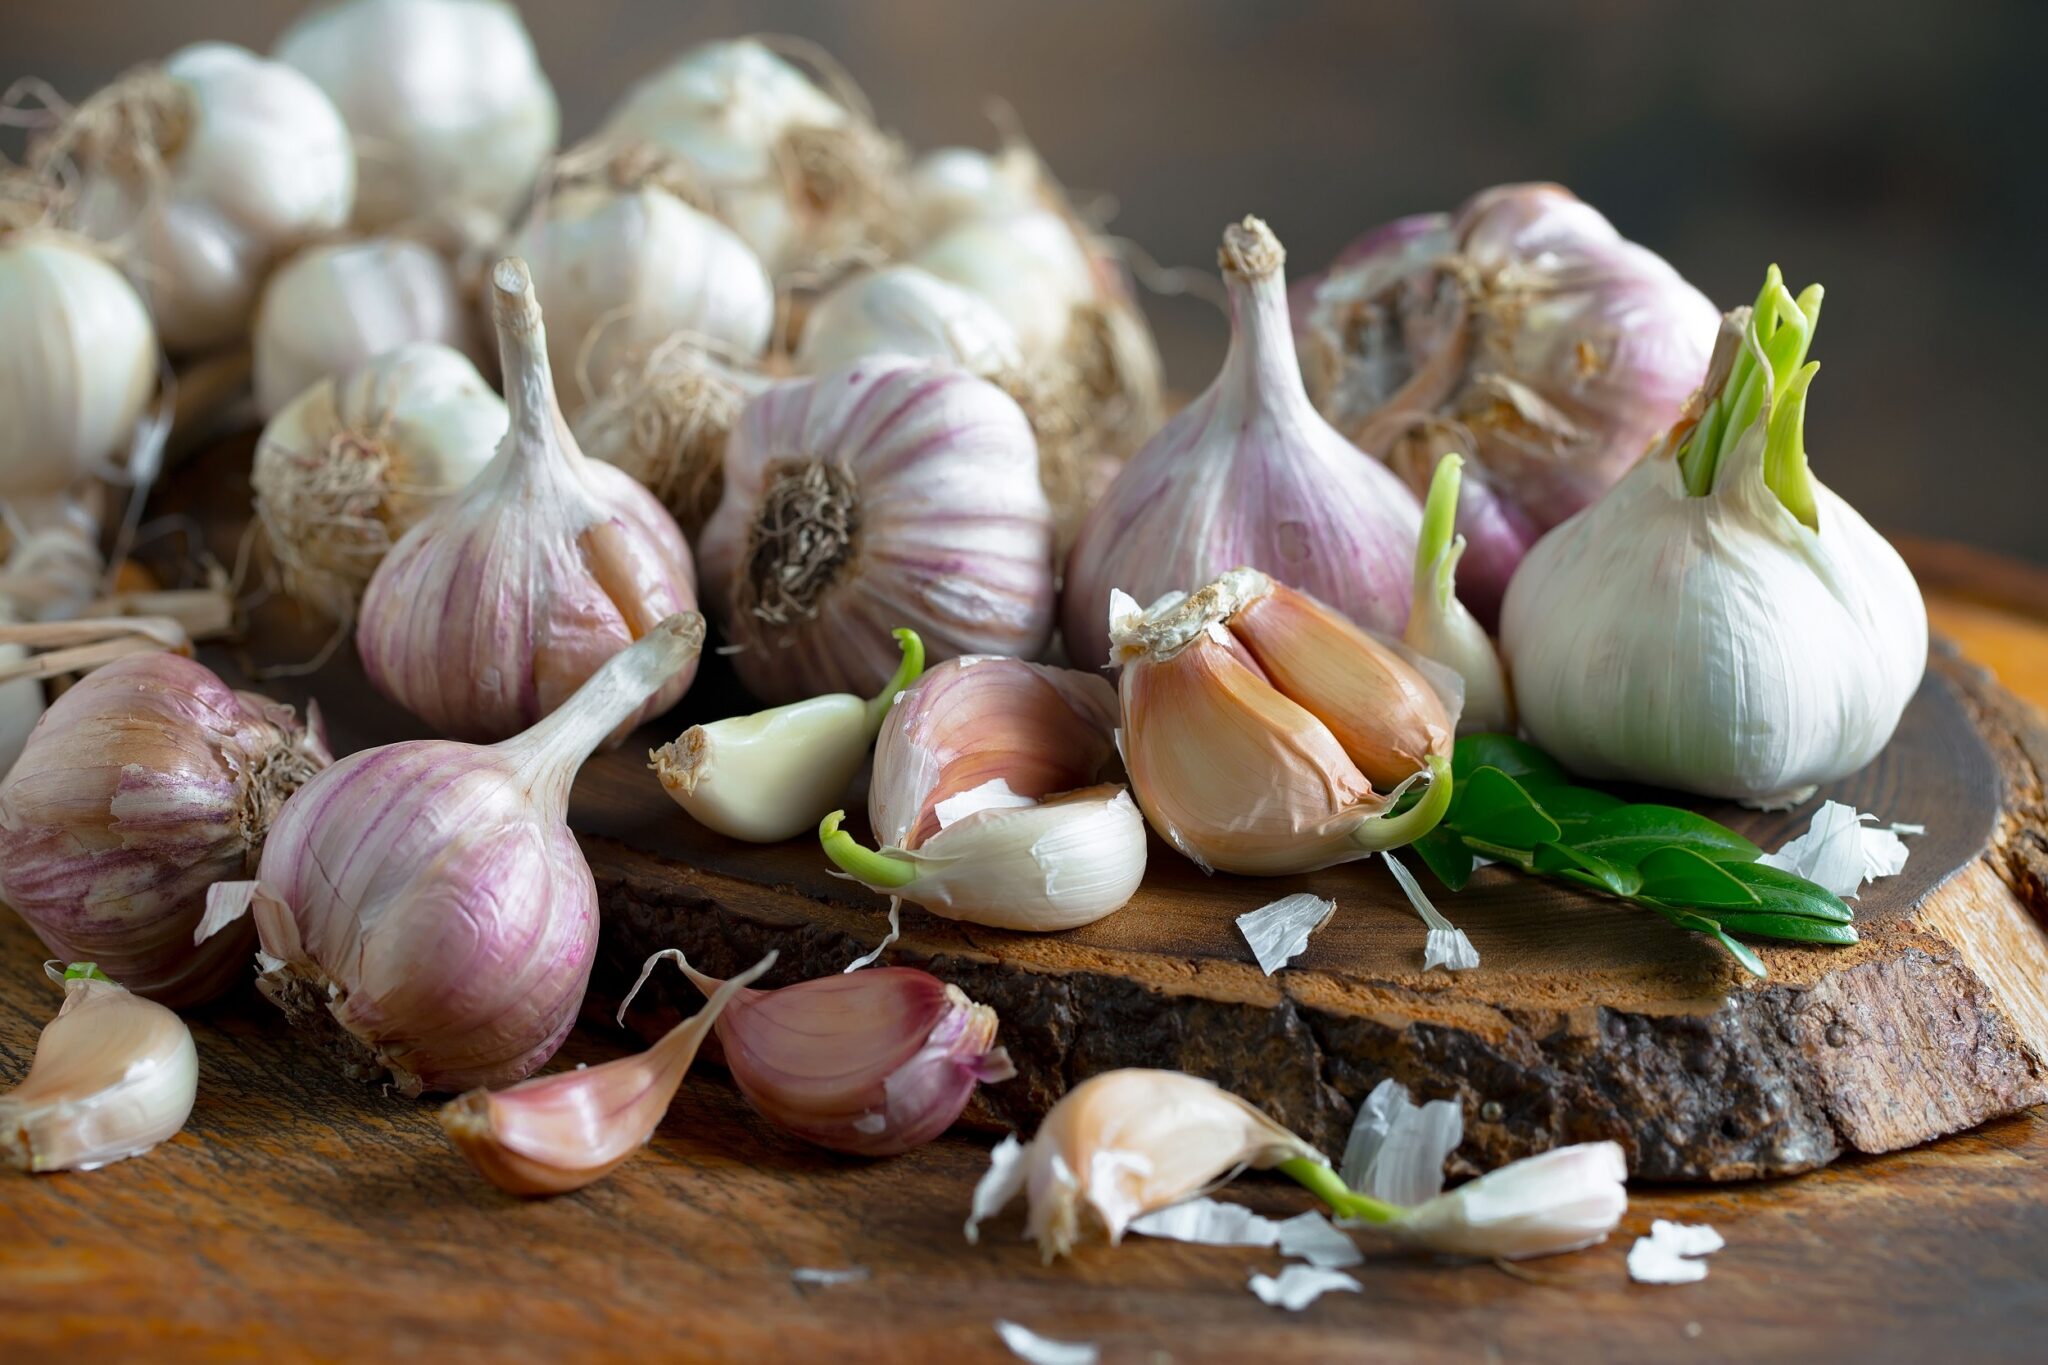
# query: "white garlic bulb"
{"type": "Point", "coordinates": [949, 185]}
{"type": "Point", "coordinates": [330, 308]}
{"type": "Point", "coordinates": [449, 108]}
{"type": "Point", "coordinates": [1030, 266]}
{"type": "Point", "coordinates": [354, 462]}
{"type": "Point", "coordinates": [907, 310]}
{"type": "Point", "coordinates": [1720, 622]}
{"type": "Point", "coordinates": [78, 361]}
{"type": "Point", "coordinates": [204, 171]}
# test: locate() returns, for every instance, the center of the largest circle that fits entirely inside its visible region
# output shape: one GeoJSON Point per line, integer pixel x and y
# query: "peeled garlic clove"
{"type": "Point", "coordinates": [774, 774]}
{"type": "Point", "coordinates": [357, 460]}
{"type": "Point", "coordinates": [1440, 627]}
{"type": "Point", "coordinates": [889, 493]}
{"type": "Point", "coordinates": [501, 602]}
{"type": "Point", "coordinates": [1561, 1200]}
{"type": "Point", "coordinates": [872, 1062]}
{"type": "Point", "coordinates": [113, 1076]}
{"type": "Point", "coordinates": [558, 1133]}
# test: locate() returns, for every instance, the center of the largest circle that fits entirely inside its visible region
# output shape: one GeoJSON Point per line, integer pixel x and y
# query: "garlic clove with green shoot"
{"type": "Point", "coordinates": [888, 493]}
{"type": "Point", "coordinates": [1720, 622]}
{"type": "Point", "coordinates": [113, 1076]}
{"type": "Point", "coordinates": [446, 101]}
{"type": "Point", "coordinates": [1441, 627]}
{"type": "Point", "coordinates": [1562, 1200]}
{"type": "Point", "coordinates": [502, 601]}
{"type": "Point", "coordinates": [332, 308]}
{"type": "Point", "coordinates": [203, 171]}
{"type": "Point", "coordinates": [554, 1134]}
{"type": "Point", "coordinates": [774, 774]}
{"type": "Point", "coordinates": [78, 362]}
{"type": "Point", "coordinates": [423, 908]}
{"type": "Point", "coordinates": [1247, 474]}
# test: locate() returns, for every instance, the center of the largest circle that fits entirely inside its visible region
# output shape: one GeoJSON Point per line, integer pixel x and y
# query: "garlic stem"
{"type": "Point", "coordinates": [1439, 525]}
{"type": "Point", "coordinates": [907, 672]}
{"type": "Point", "coordinates": [861, 863]}
{"type": "Point", "coordinates": [619, 688]}
{"type": "Point", "coordinates": [1324, 1183]}
{"type": "Point", "coordinates": [1394, 831]}
{"type": "Point", "coordinates": [1261, 331]}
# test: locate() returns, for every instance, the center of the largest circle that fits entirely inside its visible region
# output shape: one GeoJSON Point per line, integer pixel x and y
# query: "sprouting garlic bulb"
{"type": "Point", "coordinates": [203, 171]}
{"type": "Point", "coordinates": [114, 1075]}
{"type": "Point", "coordinates": [1249, 683]}
{"type": "Point", "coordinates": [357, 460]}
{"type": "Point", "coordinates": [330, 308]}
{"type": "Point", "coordinates": [1523, 332]}
{"type": "Point", "coordinates": [1442, 628]}
{"type": "Point", "coordinates": [889, 493]}
{"type": "Point", "coordinates": [1247, 474]}
{"type": "Point", "coordinates": [78, 360]}
{"type": "Point", "coordinates": [423, 908]}
{"type": "Point", "coordinates": [503, 600]}
{"type": "Point", "coordinates": [800, 171]}
{"type": "Point", "coordinates": [905, 310]}
{"type": "Point", "coordinates": [989, 801]}
{"type": "Point", "coordinates": [1720, 622]}
{"type": "Point", "coordinates": [450, 111]}
{"type": "Point", "coordinates": [145, 783]}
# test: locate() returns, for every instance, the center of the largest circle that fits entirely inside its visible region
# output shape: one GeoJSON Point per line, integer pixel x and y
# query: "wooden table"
{"type": "Point", "coordinates": [299, 1217]}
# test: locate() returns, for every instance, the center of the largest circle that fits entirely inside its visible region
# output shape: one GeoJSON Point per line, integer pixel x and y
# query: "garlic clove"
{"type": "Point", "coordinates": [558, 1133]}
{"type": "Point", "coordinates": [1440, 627]}
{"type": "Point", "coordinates": [1558, 1201]}
{"type": "Point", "coordinates": [113, 1076]}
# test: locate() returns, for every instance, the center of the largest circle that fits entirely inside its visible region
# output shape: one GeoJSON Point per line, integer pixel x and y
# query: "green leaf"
{"type": "Point", "coordinates": [1495, 808]}
{"type": "Point", "coordinates": [1561, 860]}
{"type": "Point", "coordinates": [1700, 924]}
{"type": "Point", "coordinates": [1786, 893]}
{"type": "Point", "coordinates": [1683, 877]}
{"type": "Point", "coordinates": [1445, 855]}
{"type": "Point", "coordinates": [1744, 954]}
{"type": "Point", "coordinates": [1573, 806]}
{"type": "Point", "coordinates": [1628, 834]}
{"type": "Point", "coordinates": [1524, 762]}
{"type": "Point", "coordinates": [1792, 928]}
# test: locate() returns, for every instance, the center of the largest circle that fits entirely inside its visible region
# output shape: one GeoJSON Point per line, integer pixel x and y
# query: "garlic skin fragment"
{"type": "Point", "coordinates": [1247, 474]}
{"type": "Point", "coordinates": [203, 171]}
{"type": "Point", "coordinates": [1441, 627]}
{"type": "Point", "coordinates": [331, 309]}
{"type": "Point", "coordinates": [888, 493]}
{"type": "Point", "coordinates": [450, 111]}
{"type": "Point", "coordinates": [143, 784]}
{"type": "Point", "coordinates": [500, 603]}
{"type": "Point", "coordinates": [78, 362]}
{"type": "Point", "coordinates": [357, 460]}
{"type": "Point", "coordinates": [114, 1075]}
{"type": "Point", "coordinates": [424, 909]}
{"type": "Point", "coordinates": [905, 310]}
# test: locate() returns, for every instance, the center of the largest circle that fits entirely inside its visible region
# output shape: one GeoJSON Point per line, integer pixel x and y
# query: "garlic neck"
{"type": "Point", "coordinates": [1261, 369]}
{"type": "Point", "coordinates": [537, 446]}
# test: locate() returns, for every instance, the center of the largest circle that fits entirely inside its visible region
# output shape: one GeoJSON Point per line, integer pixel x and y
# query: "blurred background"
{"type": "Point", "coordinates": [1880, 148]}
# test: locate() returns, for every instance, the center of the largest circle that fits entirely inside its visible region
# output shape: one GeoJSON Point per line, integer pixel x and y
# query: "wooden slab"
{"type": "Point", "coordinates": [1587, 1019]}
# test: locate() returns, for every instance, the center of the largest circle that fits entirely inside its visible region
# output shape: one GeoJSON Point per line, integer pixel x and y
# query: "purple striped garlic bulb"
{"type": "Point", "coordinates": [1522, 332]}
{"type": "Point", "coordinates": [1247, 474]}
{"type": "Point", "coordinates": [504, 600]}
{"type": "Point", "coordinates": [423, 908]}
{"type": "Point", "coordinates": [144, 784]}
{"type": "Point", "coordinates": [890, 493]}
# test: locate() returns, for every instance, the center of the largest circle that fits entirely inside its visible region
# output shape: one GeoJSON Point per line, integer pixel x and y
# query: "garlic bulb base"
{"type": "Point", "coordinates": [306, 997]}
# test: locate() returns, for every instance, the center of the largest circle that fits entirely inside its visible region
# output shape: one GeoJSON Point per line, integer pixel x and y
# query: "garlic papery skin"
{"type": "Point", "coordinates": [357, 460]}
{"type": "Point", "coordinates": [500, 602]}
{"type": "Point", "coordinates": [330, 309]}
{"type": "Point", "coordinates": [798, 168]}
{"type": "Point", "coordinates": [203, 171]}
{"type": "Point", "coordinates": [114, 1075]}
{"type": "Point", "coordinates": [888, 493]}
{"type": "Point", "coordinates": [1126, 1142]}
{"type": "Point", "coordinates": [450, 111]}
{"type": "Point", "coordinates": [424, 909]}
{"type": "Point", "coordinates": [78, 362]}
{"type": "Point", "coordinates": [871, 1063]}
{"type": "Point", "coordinates": [1522, 332]}
{"type": "Point", "coordinates": [775, 774]}
{"type": "Point", "coordinates": [1247, 474]}
{"type": "Point", "coordinates": [1718, 641]}
{"type": "Point", "coordinates": [558, 1133]}
{"type": "Point", "coordinates": [905, 310]}
{"type": "Point", "coordinates": [1441, 627]}
{"type": "Point", "coordinates": [1558, 1201]}
{"type": "Point", "coordinates": [144, 783]}
{"type": "Point", "coordinates": [1266, 734]}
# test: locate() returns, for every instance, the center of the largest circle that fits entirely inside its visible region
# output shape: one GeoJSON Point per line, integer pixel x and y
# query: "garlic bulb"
{"type": "Point", "coordinates": [1522, 332]}
{"type": "Point", "coordinates": [144, 783]}
{"type": "Point", "coordinates": [113, 1076]}
{"type": "Point", "coordinates": [1720, 622]}
{"type": "Point", "coordinates": [951, 185]}
{"type": "Point", "coordinates": [500, 602]}
{"type": "Point", "coordinates": [354, 462]}
{"type": "Point", "coordinates": [889, 493]}
{"type": "Point", "coordinates": [775, 774]}
{"type": "Point", "coordinates": [798, 169]}
{"type": "Point", "coordinates": [78, 361]}
{"type": "Point", "coordinates": [424, 909]}
{"type": "Point", "coordinates": [1441, 627]}
{"type": "Point", "coordinates": [1247, 684]}
{"type": "Point", "coordinates": [872, 1063]}
{"type": "Point", "coordinates": [449, 109]}
{"type": "Point", "coordinates": [905, 310]}
{"type": "Point", "coordinates": [330, 308]}
{"type": "Point", "coordinates": [1247, 474]}
{"type": "Point", "coordinates": [203, 170]}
